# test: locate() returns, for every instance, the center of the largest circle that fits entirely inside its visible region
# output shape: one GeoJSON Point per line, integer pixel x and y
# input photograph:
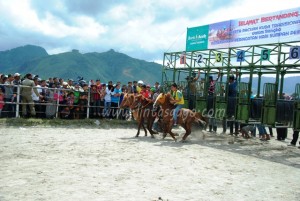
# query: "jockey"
{"type": "Point", "coordinates": [178, 101]}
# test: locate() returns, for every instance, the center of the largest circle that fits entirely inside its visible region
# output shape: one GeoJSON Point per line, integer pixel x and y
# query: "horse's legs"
{"type": "Point", "coordinates": [169, 130]}
{"type": "Point", "coordinates": [141, 123]}
{"type": "Point", "coordinates": [149, 126]}
{"type": "Point", "coordinates": [188, 131]}
{"type": "Point", "coordinates": [144, 128]}
{"type": "Point", "coordinates": [139, 128]}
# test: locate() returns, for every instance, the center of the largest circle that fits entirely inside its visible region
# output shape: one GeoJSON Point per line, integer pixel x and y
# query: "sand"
{"type": "Point", "coordinates": [39, 163]}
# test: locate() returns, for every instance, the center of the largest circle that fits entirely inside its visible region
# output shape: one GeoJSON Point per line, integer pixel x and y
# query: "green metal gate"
{"type": "Point", "coordinates": [183, 86]}
{"type": "Point", "coordinates": [220, 106]}
{"type": "Point", "coordinates": [243, 106]}
{"type": "Point", "coordinates": [269, 104]}
{"type": "Point", "coordinates": [201, 97]}
{"type": "Point", "coordinates": [296, 124]}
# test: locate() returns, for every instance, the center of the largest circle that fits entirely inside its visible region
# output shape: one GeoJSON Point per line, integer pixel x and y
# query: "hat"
{"type": "Point", "coordinates": [17, 75]}
{"type": "Point", "coordinates": [152, 89]}
{"type": "Point", "coordinates": [71, 80]}
{"type": "Point", "coordinates": [64, 83]}
{"type": "Point", "coordinates": [140, 82]}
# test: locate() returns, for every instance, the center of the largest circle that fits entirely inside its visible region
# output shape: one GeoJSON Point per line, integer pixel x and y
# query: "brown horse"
{"type": "Point", "coordinates": [144, 107]}
{"type": "Point", "coordinates": [130, 101]}
{"type": "Point", "coordinates": [185, 117]}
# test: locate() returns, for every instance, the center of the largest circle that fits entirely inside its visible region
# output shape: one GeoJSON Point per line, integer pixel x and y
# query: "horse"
{"type": "Point", "coordinates": [127, 102]}
{"type": "Point", "coordinates": [185, 116]}
{"type": "Point", "coordinates": [144, 107]}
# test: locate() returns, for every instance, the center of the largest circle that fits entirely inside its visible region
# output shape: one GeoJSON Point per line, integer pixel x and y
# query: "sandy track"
{"type": "Point", "coordinates": [99, 164]}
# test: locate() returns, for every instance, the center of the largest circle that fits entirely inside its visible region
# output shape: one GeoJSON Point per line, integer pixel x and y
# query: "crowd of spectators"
{"type": "Point", "coordinates": [67, 99]}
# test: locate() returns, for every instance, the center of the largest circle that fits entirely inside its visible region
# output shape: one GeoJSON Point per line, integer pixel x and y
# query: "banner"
{"type": "Point", "coordinates": [277, 27]}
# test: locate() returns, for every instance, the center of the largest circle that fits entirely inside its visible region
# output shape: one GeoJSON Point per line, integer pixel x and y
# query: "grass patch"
{"type": "Point", "coordinates": [75, 123]}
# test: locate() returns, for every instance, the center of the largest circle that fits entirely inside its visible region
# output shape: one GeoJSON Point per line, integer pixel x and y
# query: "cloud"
{"type": "Point", "coordinates": [142, 29]}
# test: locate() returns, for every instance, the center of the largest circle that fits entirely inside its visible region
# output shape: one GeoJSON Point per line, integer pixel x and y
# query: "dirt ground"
{"type": "Point", "coordinates": [40, 163]}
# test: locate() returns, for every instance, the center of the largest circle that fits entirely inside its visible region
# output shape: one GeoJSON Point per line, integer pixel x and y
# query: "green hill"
{"type": "Point", "coordinates": [106, 66]}
{"type": "Point", "coordinates": [10, 60]}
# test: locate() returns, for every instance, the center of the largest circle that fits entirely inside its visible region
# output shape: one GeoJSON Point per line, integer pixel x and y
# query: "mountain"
{"type": "Point", "coordinates": [11, 59]}
{"type": "Point", "coordinates": [105, 66]}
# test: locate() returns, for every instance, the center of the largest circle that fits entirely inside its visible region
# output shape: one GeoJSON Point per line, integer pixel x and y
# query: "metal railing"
{"type": "Point", "coordinates": [51, 98]}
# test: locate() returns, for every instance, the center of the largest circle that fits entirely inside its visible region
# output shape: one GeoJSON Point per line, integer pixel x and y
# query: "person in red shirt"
{"type": "Point", "coordinates": [145, 92]}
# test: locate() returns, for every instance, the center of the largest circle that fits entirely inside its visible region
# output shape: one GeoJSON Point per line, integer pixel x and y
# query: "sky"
{"type": "Point", "coordinates": [142, 29]}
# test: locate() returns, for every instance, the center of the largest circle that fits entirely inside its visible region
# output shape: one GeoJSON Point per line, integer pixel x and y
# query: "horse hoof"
{"type": "Point", "coordinates": [137, 136]}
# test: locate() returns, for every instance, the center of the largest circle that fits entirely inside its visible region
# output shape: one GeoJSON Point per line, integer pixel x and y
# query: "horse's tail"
{"type": "Point", "coordinates": [201, 119]}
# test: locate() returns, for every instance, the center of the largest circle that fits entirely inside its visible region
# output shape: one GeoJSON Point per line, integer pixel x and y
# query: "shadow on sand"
{"type": "Point", "coordinates": [273, 150]}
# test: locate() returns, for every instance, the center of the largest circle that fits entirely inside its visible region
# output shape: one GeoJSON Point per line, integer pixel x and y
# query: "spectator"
{"type": "Point", "coordinates": [16, 83]}
{"type": "Point", "coordinates": [248, 129]}
{"type": "Point", "coordinates": [77, 90]}
{"type": "Point", "coordinates": [8, 109]}
{"type": "Point", "coordinates": [97, 98]}
{"type": "Point", "coordinates": [295, 138]}
{"type": "Point", "coordinates": [107, 101]}
{"type": "Point", "coordinates": [51, 102]}
{"type": "Point", "coordinates": [26, 92]}
{"type": "Point", "coordinates": [144, 91]}
{"type": "Point", "coordinates": [192, 90]}
{"type": "Point", "coordinates": [129, 88]}
{"type": "Point", "coordinates": [263, 133]}
{"type": "Point", "coordinates": [157, 87]}
{"type": "Point", "coordinates": [70, 84]}
{"type": "Point", "coordinates": [212, 125]}
{"type": "Point", "coordinates": [115, 100]}
{"type": "Point", "coordinates": [36, 98]}
{"type": "Point", "coordinates": [1, 100]}
{"type": "Point", "coordinates": [83, 101]}
{"type": "Point", "coordinates": [231, 102]}
{"type": "Point", "coordinates": [140, 83]}
{"type": "Point", "coordinates": [134, 87]}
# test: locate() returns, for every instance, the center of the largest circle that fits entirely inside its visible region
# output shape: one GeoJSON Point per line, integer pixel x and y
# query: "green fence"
{"type": "Point", "coordinates": [296, 124]}
{"type": "Point", "coordinates": [269, 104]}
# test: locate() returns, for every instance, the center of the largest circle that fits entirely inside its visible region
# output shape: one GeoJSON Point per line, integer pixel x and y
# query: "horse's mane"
{"type": "Point", "coordinates": [169, 97]}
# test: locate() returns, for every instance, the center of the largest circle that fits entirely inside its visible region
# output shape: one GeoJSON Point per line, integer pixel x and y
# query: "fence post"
{"type": "Point", "coordinates": [88, 103]}
{"type": "Point", "coordinates": [18, 102]}
{"type": "Point", "coordinates": [57, 102]}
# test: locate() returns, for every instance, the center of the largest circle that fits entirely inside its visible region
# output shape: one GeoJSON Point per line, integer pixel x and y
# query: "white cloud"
{"type": "Point", "coordinates": [141, 28]}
